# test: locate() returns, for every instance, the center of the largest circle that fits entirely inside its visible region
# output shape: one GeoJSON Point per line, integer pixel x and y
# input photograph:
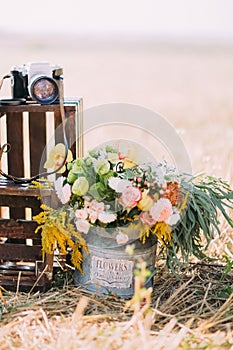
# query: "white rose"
{"type": "Point", "coordinates": [174, 218]}
{"type": "Point", "coordinates": [117, 184]}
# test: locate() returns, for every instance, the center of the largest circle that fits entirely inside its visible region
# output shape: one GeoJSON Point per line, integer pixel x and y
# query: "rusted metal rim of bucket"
{"type": "Point", "coordinates": [107, 241]}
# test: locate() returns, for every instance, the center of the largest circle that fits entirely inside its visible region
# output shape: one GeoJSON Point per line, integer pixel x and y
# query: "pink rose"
{"type": "Point", "coordinates": [130, 197]}
{"type": "Point", "coordinates": [147, 219]}
{"type": "Point", "coordinates": [81, 214]}
{"type": "Point", "coordinates": [93, 215]}
{"type": "Point", "coordinates": [96, 206]}
{"type": "Point", "coordinates": [82, 225]}
{"type": "Point", "coordinates": [106, 217]}
{"type": "Point", "coordinates": [161, 210]}
{"type": "Point", "coordinates": [93, 209]}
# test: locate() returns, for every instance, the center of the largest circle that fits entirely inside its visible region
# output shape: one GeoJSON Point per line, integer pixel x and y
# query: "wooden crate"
{"type": "Point", "coordinates": [22, 266]}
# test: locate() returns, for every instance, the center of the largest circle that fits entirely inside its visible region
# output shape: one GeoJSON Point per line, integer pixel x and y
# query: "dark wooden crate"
{"type": "Point", "coordinates": [22, 266]}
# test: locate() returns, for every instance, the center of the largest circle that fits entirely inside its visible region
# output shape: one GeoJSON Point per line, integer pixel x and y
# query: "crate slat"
{"type": "Point", "coordinates": [15, 139]}
{"type": "Point", "coordinates": [24, 283]}
{"type": "Point", "coordinates": [20, 252]}
{"type": "Point", "coordinates": [21, 229]}
{"type": "Point", "coordinates": [37, 137]}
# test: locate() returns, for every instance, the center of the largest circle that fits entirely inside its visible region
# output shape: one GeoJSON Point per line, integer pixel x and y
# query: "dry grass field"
{"type": "Point", "coordinates": [191, 85]}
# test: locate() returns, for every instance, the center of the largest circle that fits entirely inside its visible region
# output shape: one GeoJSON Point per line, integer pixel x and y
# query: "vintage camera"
{"type": "Point", "coordinates": [36, 82]}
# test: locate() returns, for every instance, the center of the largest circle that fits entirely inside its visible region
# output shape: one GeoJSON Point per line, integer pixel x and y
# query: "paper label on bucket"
{"type": "Point", "coordinates": [111, 272]}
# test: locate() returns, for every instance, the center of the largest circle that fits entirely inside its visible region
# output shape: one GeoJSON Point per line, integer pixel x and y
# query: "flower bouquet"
{"type": "Point", "coordinates": [106, 195]}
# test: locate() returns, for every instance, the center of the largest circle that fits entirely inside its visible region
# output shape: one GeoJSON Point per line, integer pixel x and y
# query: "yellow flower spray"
{"type": "Point", "coordinates": [58, 231]}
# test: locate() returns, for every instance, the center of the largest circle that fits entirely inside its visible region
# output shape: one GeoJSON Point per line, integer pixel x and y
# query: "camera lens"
{"type": "Point", "coordinates": [44, 90]}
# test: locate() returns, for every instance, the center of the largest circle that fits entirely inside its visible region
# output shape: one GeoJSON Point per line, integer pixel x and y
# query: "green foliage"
{"type": "Point", "coordinates": [208, 198]}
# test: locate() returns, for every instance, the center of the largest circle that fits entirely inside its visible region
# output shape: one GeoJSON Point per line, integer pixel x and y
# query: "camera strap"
{"type": "Point", "coordinates": [6, 147]}
{"type": "Point", "coordinates": [2, 80]}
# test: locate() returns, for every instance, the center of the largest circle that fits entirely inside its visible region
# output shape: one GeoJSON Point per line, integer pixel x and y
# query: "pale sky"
{"type": "Point", "coordinates": [166, 18]}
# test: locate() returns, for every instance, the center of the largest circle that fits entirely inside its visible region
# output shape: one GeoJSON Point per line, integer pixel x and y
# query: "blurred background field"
{"type": "Point", "coordinates": [188, 83]}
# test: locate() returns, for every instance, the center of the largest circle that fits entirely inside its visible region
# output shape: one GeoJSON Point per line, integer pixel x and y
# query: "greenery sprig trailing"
{"type": "Point", "coordinates": [209, 198]}
{"type": "Point", "coordinates": [108, 190]}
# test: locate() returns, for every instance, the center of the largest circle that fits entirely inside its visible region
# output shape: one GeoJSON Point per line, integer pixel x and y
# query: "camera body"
{"type": "Point", "coordinates": [36, 82]}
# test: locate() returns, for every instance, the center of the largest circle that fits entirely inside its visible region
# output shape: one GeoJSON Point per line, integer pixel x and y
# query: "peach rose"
{"type": "Point", "coordinates": [147, 219]}
{"type": "Point", "coordinates": [130, 197]}
{"type": "Point", "coordinates": [161, 210]}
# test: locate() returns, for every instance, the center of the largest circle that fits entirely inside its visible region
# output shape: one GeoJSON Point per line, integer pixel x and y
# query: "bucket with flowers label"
{"type": "Point", "coordinates": [112, 259]}
{"type": "Point", "coordinates": [115, 212]}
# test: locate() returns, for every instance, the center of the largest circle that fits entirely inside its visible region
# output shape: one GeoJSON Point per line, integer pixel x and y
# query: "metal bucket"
{"type": "Point", "coordinates": [109, 269]}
